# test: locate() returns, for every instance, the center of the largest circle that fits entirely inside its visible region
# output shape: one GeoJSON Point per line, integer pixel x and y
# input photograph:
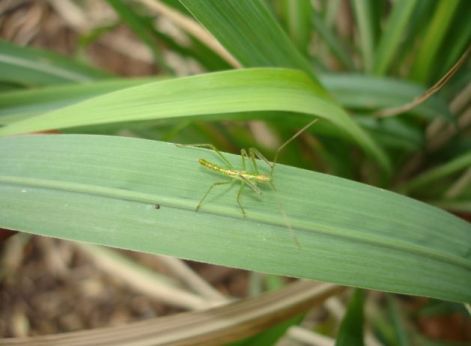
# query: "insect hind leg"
{"type": "Point", "coordinates": [238, 200]}
{"type": "Point", "coordinates": [219, 183]}
{"type": "Point", "coordinates": [243, 156]}
{"type": "Point", "coordinates": [254, 153]}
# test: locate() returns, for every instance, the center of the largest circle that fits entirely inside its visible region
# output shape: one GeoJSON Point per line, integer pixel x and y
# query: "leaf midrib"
{"type": "Point", "coordinates": [179, 203]}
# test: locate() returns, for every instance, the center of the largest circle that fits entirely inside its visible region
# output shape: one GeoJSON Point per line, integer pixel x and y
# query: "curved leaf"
{"type": "Point", "coordinates": [367, 92]}
{"type": "Point", "coordinates": [16, 105]}
{"type": "Point", "coordinates": [29, 66]}
{"type": "Point", "coordinates": [394, 31]}
{"type": "Point", "coordinates": [248, 90]}
{"type": "Point", "coordinates": [351, 90]}
{"type": "Point", "coordinates": [250, 33]}
{"type": "Point", "coordinates": [139, 194]}
{"type": "Point", "coordinates": [434, 36]}
{"type": "Point", "coordinates": [461, 162]}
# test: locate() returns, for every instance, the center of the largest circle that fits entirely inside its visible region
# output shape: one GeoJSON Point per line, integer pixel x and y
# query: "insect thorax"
{"type": "Point", "coordinates": [262, 178]}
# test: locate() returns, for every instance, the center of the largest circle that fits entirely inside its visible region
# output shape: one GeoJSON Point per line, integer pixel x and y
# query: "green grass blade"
{"type": "Point", "coordinates": [331, 12]}
{"type": "Point", "coordinates": [142, 29]}
{"type": "Point", "coordinates": [203, 54]}
{"type": "Point", "coordinates": [248, 90]}
{"type": "Point", "coordinates": [372, 93]}
{"type": "Point", "coordinates": [459, 163]}
{"type": "Point", "coordinates": [364, 13]}
{"type": "Point", "coordinates": [421, 15]}
{"type": "Point", "coordinates": [332, 41]}
{"type": "Point", "coordinates": [463, 206]}
{"type": "Point", "coordinates": [354, 91]}
{"type": "Point", "coordinates": [248, 30]}
{"type": "Point", "coordinates": [351, 328]}
{"type": "Point", "coordinates": [458, 39]}
{"type": "Point", "coordinates": [31, 67]}
{"type": "Point", "coordinates": [393, 34]}
{"type": "Point", "coordinates": [104, 189]}
{"type": "Point", "coordinates": [393, 133]}
{"type": "Point", "coordinates": [397, 322]}
{"type": "Point", "coordinates": [25, 103]}
{"type": "Point", "coordinates": [272, 335]}
{"type": "Point", "coordinates": [297, 18]}
{"type": "Point", "coordinates": [433, 40]}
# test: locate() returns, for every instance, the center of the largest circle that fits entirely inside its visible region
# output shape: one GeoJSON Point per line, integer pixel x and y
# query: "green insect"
{"type": "Point", "coordinates": [246, 178]}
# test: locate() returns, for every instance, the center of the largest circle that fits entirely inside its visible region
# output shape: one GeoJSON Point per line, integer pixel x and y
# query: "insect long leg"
{"type": "Point", "coordinates": [286, 220]}
{"type": "Point", "coordinates": [238, 199]}
{"type": "Point", "coordinates": [243, 155]}
{"type": "Point", "coordinates": [208, 146]}
{"type": "Point", "coordinates": [209, 190]}
{"type": "Point", "coordinates": [250, 184]}
{"type": "Point", "coordinates": [244, 181]}
{"type": "Point", "coordinates": [256, 154]}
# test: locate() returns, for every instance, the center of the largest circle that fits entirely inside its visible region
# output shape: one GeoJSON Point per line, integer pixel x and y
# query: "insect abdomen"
{"type": "Point", "coordinates": [213, 167]}
{"type": "Point", "coordinates": [234, 173]}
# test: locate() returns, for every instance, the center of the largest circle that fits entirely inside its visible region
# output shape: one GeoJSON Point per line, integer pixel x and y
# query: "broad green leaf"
{"type": "Point", "coordinates": [248, 90]}
{"type": "Point", "coordinates": [248, 30]}
{"type": "Point", "coordinates": [353, 91]}
{"type": "Point", "coordinates": [141, 195]}
{"type": "Point", "coordinates": [29, 67]}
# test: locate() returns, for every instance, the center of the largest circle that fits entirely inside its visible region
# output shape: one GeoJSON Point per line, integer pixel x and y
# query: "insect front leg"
{"type": "Point", "coordinates": [211, 147]}
{"type": "Point", "coordinates": [256, 154]}
{"type": "Point", "coordinates": [238, 199]}
{"type": "Point", "coordinates": [244, 155]}
{"type": "Point", "coordinates": [209, 190]}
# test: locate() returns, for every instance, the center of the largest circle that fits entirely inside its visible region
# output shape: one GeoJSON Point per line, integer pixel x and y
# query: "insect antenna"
{"type": "Point", "coordinates": [275, 159]}
{"type": "Point", "coordinates": [280, 204]}
{"type": "Point", "coordinates": [288, 223]}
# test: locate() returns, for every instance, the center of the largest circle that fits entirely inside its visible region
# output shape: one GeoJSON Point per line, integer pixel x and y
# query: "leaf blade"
{"type": "Point", "coordinates": [28, 66]}
{"type": "Point", "coordinates": [247, 90]}
{"type": "Point", "coordinates": [248, 29]}
{"type": "Point", "coordinates": [104, 189]}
